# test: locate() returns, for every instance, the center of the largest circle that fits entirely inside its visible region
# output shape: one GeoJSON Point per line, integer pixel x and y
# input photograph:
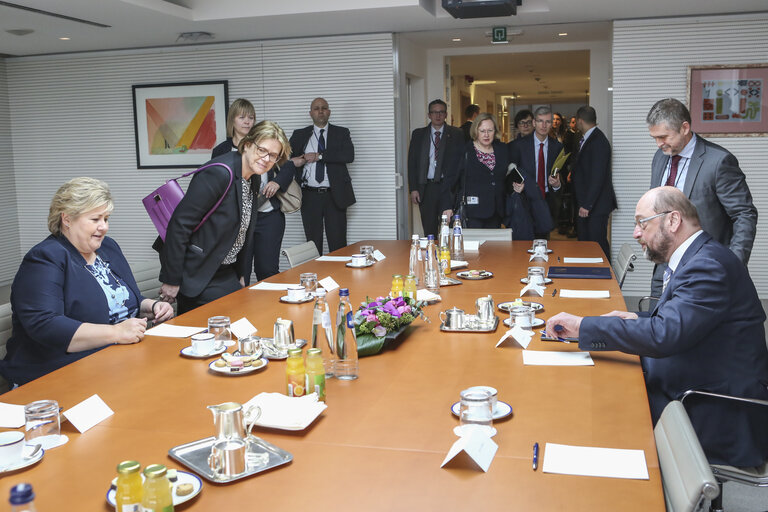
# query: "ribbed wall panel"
{"type": "Point", "coordinates": [9, 220]}
{"type": "Point", "coordinates": [73, 116]}
{"type": "Point", "coordinates": [650, 60]}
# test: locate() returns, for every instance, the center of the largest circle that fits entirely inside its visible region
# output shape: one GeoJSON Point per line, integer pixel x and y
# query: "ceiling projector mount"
{"type": "Point", "coordinates": [463, 9]}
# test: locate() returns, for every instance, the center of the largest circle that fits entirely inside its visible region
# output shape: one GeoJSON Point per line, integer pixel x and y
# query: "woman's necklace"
{"type": "Point", "coordinates": [99, 270]}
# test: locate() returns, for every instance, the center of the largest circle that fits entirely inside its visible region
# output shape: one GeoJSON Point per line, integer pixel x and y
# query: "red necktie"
{"type": "Point", "coordinates": [437, 143]}
{"type": "Point", "coordinates": [673, 171]}
{"type": "Point", "coordinates": [540, 177]}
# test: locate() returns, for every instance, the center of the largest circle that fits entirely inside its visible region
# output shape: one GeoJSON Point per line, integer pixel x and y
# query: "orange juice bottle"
{"type": "Point", "coordinates": [294, 372]}
{"type": "Point", "coordinates": [129, 488]}
{"type": "Point", "coordinates": [397, 286]}
{"type": "Point", "coordinates": [157, 490]}
{"type": "Point", "coordinates": [315, 376]}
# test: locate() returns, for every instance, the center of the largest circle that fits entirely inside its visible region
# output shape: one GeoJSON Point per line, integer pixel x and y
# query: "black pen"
{"type": "Point", "coordinates": [554, 292]}
{"type": "Point", "coordinates": [558, 259]}
{"type": "Point", "coordinates": [535, 456]}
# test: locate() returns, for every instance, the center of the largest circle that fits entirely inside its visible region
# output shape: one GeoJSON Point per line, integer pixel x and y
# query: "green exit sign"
{"type": "Point", "coordinates": [499, 35]}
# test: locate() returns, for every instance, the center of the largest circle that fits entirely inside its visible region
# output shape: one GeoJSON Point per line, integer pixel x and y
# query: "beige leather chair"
{"type": "Point", "coordinates": [623, 263]}
{"type": "Point", "coordinates": [299, 254]}
{"type": "Point", "coordinates": [685, 473]}
{"type": "Point", "coordinates": [147, 275]}
{"type": "Point", "coordinates": [491, 235]}
{"type": "Point", "coordinates": [5, 332]}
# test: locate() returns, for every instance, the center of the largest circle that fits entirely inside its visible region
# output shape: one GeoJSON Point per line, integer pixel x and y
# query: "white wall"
{"type": "Point", "coordinates": [9, 220]}
{"type": "Point", "coordinates": [72, 115]}
{"type": "Point", "coordinates": [649, 66]}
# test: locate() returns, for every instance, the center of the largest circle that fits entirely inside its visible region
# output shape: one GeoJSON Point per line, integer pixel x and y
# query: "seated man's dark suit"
{"type": "Point", "coordinates": [316, 206]}
{"type": "Point", "coordinates": [706, 334]}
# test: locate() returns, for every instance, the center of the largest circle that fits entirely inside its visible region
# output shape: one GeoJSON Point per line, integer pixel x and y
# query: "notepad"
{"type": "Point", "coordinates": [274, 286]}
{"type": "Point", "coordinates": [546, 358]}
{"type": "Point", "coordinates": [589, 461]}
{"type": "Point", "coordinates": [585, 294]}
{"type": "Point", "coordinates": [174, 331]}
{"type": "Point", "coordinates": [334, 258]}
{"type": "Point", "coordinates": [582, 260]}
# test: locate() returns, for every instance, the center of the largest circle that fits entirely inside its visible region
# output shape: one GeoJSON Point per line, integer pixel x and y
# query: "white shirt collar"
{"type": "Point", "coordinates": [537, 142]}
{"type": "Point", "coordinates": [674, 260]}
{"type": "Point", "coordinates": [433, 129]}
{"type": "Point", "coordinates": [589, 132]}
{"type": "Point", "coordinates": [687, 151]}
{"type": "Point", "coordinates": [317, 129]}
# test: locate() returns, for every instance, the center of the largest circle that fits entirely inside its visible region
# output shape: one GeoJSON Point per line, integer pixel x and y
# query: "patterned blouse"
{"type": "Point", "coordinates": [122, 303]}
{"type": "Point", "coordinates": [487, 159]}
{"type": "Point", "coordinates": [245, 221]}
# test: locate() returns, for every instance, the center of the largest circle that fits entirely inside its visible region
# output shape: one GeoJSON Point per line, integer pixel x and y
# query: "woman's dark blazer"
{"type": "Point", "coordinates": [222, 149]}
{"type": "Point", "coordinates": [485, 184]}
{"type": "Point", "coordinates": [51, 296]}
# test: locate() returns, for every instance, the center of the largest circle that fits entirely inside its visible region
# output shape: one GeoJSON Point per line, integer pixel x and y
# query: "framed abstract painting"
{"type": "Point", "coordinates": [177, 125]}
{"type": "Point", "coordinates": [729, 101]}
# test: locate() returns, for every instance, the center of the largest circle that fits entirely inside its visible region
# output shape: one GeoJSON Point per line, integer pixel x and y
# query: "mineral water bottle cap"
{"type": "Point", "coordinates": [430, 237]}
{"type": "Point", "coordinates": [415, 237]}
{"type": "Point", "coordinates": [456, 217]}
{"type": "Point", "coordinates": [320, 292]}
{"type": "Point", "coordinates": [344, 292]}
{"type": "Point", "coordinates": [21, 494]}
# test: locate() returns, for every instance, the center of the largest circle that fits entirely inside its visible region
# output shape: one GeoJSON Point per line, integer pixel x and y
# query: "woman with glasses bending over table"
{"type": "Point", "coordinates": [74, 292]}
{"type": "Point", "coordinates": [200, 266]}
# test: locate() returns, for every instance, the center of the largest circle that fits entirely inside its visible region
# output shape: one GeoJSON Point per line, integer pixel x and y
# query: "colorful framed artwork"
{"type": "Point", "coordinates": [177, 125]}
{"type": "Point", "coordinates": [729, 101]}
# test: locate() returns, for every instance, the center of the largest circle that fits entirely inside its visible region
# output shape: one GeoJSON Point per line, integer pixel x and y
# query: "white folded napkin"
{"type": "Point", "coordinates": [582, 260]}
{"type": "Point", "coordinates": [284, 412]}
{"type": "Point", "coordinates": [585, 294]}
{"type": "Point", "coordinates": [334, 258]}
{"type": "Point", "coordinates": [274, 286]}
{"type": "Point", "coordinates": [538, 289]}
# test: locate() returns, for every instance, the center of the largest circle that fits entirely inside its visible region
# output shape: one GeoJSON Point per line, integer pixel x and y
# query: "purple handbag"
{"type": "Point", "coordinates": [161, 203]}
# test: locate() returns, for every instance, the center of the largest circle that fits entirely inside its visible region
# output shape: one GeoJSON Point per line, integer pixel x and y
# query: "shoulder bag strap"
{"type": "Point", "coordinates": [231, 178]}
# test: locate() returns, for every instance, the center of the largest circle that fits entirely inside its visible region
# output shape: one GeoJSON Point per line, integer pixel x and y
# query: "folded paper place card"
{"type": "Point", "coordinates": [11, 415]}
{"type": "Point", "coordinates": [520, 335]}
{"type": "Point", "coordinates": [537, 289]}
{"type": "Point", "coordinates": [242, 328]}
{"type": "Point", "coordinates": [88, 413]}
{"type": "Point", "coordinates": [334, 258]}
{"type": "Point", "coordinates": [477, 445]}
{"type": "Point", "coordinates": [329, 284]}
{"type": "Point", "coordinates": [589, 461]}
{"type": "Point", "coordinates": [473, 245]}
{"type": "Point", "coordinates": [458, 264]}
{"type": "Point", "coordinates": [546, 358]}
{"type": "Point", "coordinates": [274, 287]}
{"type": "Point", "coordinates": [539, 255]}
{"type": "Point", "coordinates": [173, 331]}
{"type": "Point", "coordinates": [427, 295]}
{"type": "Point", "coordinates": [378, 255]}
{"type": "Point", "coordinates": [585, 294]}
{"type": "Point", "coordinates": [582, 260]}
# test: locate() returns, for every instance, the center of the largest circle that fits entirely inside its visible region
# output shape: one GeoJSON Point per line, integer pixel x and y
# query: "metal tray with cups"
{"type": "Point", "coordinates": [456, 320]}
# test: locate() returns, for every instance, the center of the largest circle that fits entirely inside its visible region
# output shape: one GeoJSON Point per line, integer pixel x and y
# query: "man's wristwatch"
{"type": "Point", "coordinates": [319, 156]}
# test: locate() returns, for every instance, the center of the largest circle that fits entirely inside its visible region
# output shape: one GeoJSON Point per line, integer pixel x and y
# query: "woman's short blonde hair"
{"type": "Point", "coordinates": [239, 106]}
{"type": "Point", "coordinates": [267, 130]}
{"type": "Point", "coordinates": [76, 197]}
{"type": "Point", "coordinates": [479, 119]}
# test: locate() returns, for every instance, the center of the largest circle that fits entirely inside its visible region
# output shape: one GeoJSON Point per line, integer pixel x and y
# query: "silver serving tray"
{"type": "Point", "coordinates": [467, 329]}
{"type": "Point", "coordinates": [194, 455]}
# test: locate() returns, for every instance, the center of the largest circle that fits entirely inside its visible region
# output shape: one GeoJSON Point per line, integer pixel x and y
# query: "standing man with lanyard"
{"type": "Point", "coordinates": [707, 174]}
{"type": "Point", "coordinates": [435, 151]}
{"type": "Point", "coordinates": [321, 153]}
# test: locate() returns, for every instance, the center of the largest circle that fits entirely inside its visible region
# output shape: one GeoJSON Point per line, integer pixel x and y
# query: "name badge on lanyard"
{"type": "Point", "coordinates": [473, 200]}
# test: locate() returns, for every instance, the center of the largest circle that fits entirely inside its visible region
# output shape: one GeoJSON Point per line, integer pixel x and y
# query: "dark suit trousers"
{"type": "Point", "coordinates": [317, 207]}
{"type": "Point", "coordinates": [430, 208]}
{"type": "Point", "coordinates": [267, 239]}
{"type": "Point", "coordinates": [223, 283]}
{"type": "Point", "coordinates": [594, 229]}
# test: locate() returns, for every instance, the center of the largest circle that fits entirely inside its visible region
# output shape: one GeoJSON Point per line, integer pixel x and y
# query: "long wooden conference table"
{"type": "Point", "coordinates": [379, 444]}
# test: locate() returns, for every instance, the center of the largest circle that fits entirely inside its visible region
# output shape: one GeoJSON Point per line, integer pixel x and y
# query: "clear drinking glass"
{"type": "Point", "coordinates": [309, 281]}
{"type": "Point", "coordinates": [368, 251]}
{"type": "Point", "coordinates": [535, 275]}
{"type": "Point", "coordinates": [42, 422]}
{"type": "Point", "coordinates": [475, 408]}
{"type": "Point", "coordinates": [540, 242]}
{"type": "Point", "coordinates": [219, 327]}
{"type": "Point", "coordinates": [522, 316]}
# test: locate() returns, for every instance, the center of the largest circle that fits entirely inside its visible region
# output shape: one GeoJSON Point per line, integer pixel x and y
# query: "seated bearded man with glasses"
{"type": "Point", "coordinates": [706, 332]}
{"type": "Point", "coordinates": [203, 262]}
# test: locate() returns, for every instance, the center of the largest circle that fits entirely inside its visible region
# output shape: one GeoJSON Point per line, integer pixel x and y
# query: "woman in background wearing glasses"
{"type": "Point", "coordinates": [202, 265]}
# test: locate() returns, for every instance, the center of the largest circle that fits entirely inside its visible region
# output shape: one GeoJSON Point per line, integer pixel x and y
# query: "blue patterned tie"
{"type": "Point", "coordinates": [320, 165]}
{"type": "Point", "coordinates": [667, 277]}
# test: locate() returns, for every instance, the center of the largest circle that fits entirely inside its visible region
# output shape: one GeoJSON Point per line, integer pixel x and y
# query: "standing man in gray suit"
{"type": "Point", "coordinates": [707, 174]}
{"type": "Point", "coordinates": [435, 151]}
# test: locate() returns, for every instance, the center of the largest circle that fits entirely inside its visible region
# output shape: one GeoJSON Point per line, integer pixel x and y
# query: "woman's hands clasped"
{"type": "Point", "coordinates": [130, 330]}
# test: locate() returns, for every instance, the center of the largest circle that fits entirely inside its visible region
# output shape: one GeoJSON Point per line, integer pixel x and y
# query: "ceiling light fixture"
{"type": "Point", "coordinates": [64, 38]}
{"type": "Point", "coordinates": [484, 82]}
{"type": "Point", "coordinates": [563, 34]}
{"type": "Point", "coordinates": [456, 39]}
{"type": "Point", "coordinates": [194, 37]}
{"type": "Point", "coordinates": [20, 31]}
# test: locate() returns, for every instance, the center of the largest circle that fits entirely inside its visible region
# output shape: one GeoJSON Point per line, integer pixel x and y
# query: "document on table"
{"type": "Point", "coordinates": [589, 461]}
{"type": "Point", "coordinates": [582, 260]}
{"type": "Point", "coordinates": [274, 287]}
{"type": "Point", "coordinates": [174, 331]}
{"type": "Point", "coordinates": [334, 258]}
{"type": "Point", "coordinates": [11, 415]}
{"type": "Point", "coordinates": [473, 245]}
{"type": "Point", "coordinates": [585, 294]}
{"type": "Point", "coordinates": [546, 358]}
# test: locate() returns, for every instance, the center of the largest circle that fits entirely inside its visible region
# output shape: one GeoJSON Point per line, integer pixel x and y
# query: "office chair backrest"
{"type": "Point", "coordinates": [685, 473]}
{"type": "Point", "coordinates": [494, 235]}
{"type": "Point", "coordinates": [302, 253]}
{"type": "Point", "coordinates": [147, 276]}
{"type": "Point", "coordinates": [6, 326]}
{"type": "Point", "coordinates": [623, 263]}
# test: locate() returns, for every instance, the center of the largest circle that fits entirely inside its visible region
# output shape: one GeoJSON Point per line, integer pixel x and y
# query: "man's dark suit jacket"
{"type": "Point", "coordinates": [191, 259]}
{"type": "Point", "coordinates": [706, 334]}
{"type": "Point", "coordinates": [592, 180]}
{"type": "Point", "coordinates": [449, 155]}
{"type": "Point", "coordinates": [338, 153]}
{"type": "Point", "coordinates": [522, 151]}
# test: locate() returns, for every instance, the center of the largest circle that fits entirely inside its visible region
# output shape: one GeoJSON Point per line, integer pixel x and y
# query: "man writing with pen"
{"type": "Point", "coordinates": [705, 334]}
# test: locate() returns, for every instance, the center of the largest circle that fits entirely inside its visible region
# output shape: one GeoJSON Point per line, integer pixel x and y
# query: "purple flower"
{"type": "Point", "coordinates": [379, 331]}
{"type": "Point", "coordinates": [390, 308]}
{"type": "Point", "coordinates": [371, 318]}
{"type": "Point", "coordinates": [399, 302]}
{"type": "Point", "coordinates": [366, 312]}
{"type": "Point", "coordinates": [373, 305]}
{"type": "Point", "coordinates": [404, 309]}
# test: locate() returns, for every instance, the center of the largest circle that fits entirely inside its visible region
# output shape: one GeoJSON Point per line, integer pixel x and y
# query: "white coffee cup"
{"type": "Point", "coordinates": [359, 260]}
{"type": "Point", "coordinates": [494, 394]}
{"type": "Point", "coordinates": [296, 293]}
{"type": "Point", "coordinates": [203, 343]}
{"type": "Point", "coordinates": [11, 447]}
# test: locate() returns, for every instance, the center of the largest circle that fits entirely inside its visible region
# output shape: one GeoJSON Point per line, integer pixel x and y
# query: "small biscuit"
{"type": "Point", "coordinates": [184, 489]}
{"type": "Point", "coordinates": [220, 363]}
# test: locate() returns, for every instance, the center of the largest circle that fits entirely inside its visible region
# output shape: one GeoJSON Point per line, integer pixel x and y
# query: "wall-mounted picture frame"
{"type": "Point", "coordinates": [729, 101]}
{"type": "Point", "coordinates": [177, 125]}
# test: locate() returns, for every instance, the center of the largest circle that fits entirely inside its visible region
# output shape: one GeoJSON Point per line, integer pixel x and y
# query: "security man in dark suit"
{"type": "Point", "coordinates": [321, 153]}
{"type": "Point", "coordinates": [435, 151]}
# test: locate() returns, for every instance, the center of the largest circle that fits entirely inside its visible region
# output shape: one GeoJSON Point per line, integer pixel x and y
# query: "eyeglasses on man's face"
{"type": "Point", "coordinates": [437, 112]}
{"type": "Point", "coordinates": [262, 152]}
{"type": "Point", "coordinates": [529, 122]}
{"type": "Point", "coordinates": [642, 223]}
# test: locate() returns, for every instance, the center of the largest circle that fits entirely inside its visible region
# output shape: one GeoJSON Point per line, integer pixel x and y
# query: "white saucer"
{"type": "Point", "coordinates": [350, 265]}
{"type": "Point", "coordinates": [183, 478]}
{"type": "Point", "coordinates": [228, 370]}
{"type": "Point", "coordinates": [547, 280]}
{"type": "Point", "coordinates": [463, 430]}
{"type": "Point", "coordinates": [308, 297]}
{"type": "Point", "coordinates": [23, 462]}
{"type": "Point", "coordinates": [530, 251]}
{"type": "Point", "coordinates": [537, 322]}
{"type": "Point", "coordinates": [506, 306]}
{"type": "Point", "coordinates": [188, 352]}
{"type": "Point", "coordinates": [502, 410]}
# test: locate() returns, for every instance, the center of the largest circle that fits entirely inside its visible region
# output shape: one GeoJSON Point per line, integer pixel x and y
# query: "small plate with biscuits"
{"type": "Point", "coordinates": [185, 486]}
{"type": "Point", "coordinates": [237, 365]}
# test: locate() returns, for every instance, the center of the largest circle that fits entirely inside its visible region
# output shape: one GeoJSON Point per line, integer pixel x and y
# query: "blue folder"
{"type": "Point", "coordinates": [579, 273]}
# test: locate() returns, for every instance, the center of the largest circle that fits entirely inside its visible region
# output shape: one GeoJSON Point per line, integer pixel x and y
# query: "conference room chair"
{"type": "Point", "coordinates": [491, 235]}
{"type": "Point", "coordinates": [6, 326]}
{"type": "Point", "coordinates": [301, 253]}
{"type": "Point", "coordinates": [757, 476]}
{"type": "Point", "coordinates": [623, 263]}
{"type": "Point", "coordinates": [686, 476]}
{"type": "Point", "coordinates": [147, 275]}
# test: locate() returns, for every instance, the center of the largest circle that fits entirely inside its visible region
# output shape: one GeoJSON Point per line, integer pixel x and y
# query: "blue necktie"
{"type": "Point", "coordinates": [667, 277]}
{"type": "Point", "coordinates": [320, 165]}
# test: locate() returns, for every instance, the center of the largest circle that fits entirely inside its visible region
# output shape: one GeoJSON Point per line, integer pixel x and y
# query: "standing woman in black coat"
{"type": "Point", "coordinates": [201, 265]}
{"type": "Point", "coordinates": [240, 120]}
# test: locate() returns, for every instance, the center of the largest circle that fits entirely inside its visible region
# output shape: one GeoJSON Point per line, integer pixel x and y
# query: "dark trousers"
{"type": "Point", "coordinates": [489, 223]}
{"type": "Point", "coordinates": [267, 239]}
{"type": "Point", "coordinates": [594, 228]}
{"type": "Point", "coordinates": [318, 208]}
{"type": "Point", "coordinates": [430, 209]}
{"type": "Point", "coordinates": [224, 282]}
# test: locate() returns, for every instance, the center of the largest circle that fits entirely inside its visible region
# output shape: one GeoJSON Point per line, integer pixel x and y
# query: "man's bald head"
{"type": "Point", "coordinates": [665, 199]}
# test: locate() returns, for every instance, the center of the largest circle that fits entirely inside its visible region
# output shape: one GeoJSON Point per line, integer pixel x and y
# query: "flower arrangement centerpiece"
{"type": "Point", "coordinates": [377, 321]}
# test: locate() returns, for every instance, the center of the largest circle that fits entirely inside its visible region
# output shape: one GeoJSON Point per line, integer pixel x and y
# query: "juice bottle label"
{"type": "Point", "coordinates": [315, 383]}
{"type": "Point", "coordinates": [131, 507]}
{"type": "Point", "coordinates": [295, 385]}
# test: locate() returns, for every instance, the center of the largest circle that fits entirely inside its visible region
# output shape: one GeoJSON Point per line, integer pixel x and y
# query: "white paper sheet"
{"type": "Point", "coordinates": [480, 448]}
{"type": "Point", "coordinates": [589, 461]}
{"type": "Point", "coordinates": [88, 413]}
{"type": "Point", "coordinates": [585, 294]}
{"type": "Point", "coordinates": [458, 264]}
{"type": "Point", "coordinates": [328, 283]}
{"type": "Point", "coordinates": [582, 260]}
{"type": "Point", "coordinates": [174, 331]}
{"type": "Point", "coordinates": [11, 415]}
{"type": "Point", "coordinates": [274, 287]}
{"type": "Point", "coordinates": [334, 258]}
{"type": "Point", "coordinates": [473, 245]}
{"type": "Point", "coordinates": [546, 358]}
{"type": "Point", "coordinates": [242, 328]}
